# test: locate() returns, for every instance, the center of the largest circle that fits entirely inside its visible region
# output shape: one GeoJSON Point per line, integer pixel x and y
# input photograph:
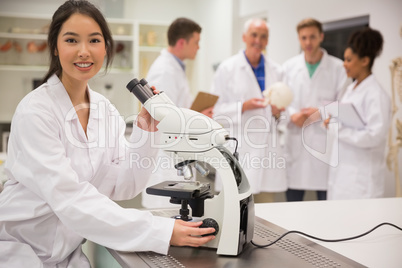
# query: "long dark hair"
{"type": "Point", "coordinates": [62, 14]}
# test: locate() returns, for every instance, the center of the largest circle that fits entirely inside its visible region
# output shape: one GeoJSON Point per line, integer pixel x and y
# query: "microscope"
{"type": "Point", "coordinates": [195, 141]}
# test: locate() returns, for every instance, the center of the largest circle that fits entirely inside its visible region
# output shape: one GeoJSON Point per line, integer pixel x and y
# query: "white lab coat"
{"type": "Point", "coordinates": [166, 75]}
{"type": "Point", "coordinates": [361, 169]}
{"type": "Point", "coordinates": [305, 171]}
{"type": "Point", "coordinates": [61, 181]}
{"type": "Point", "coordinates": [260, 153]}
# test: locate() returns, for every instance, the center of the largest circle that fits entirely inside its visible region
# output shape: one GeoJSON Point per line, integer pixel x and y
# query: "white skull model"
{"type": "Point", "coordinates": [278, 94]}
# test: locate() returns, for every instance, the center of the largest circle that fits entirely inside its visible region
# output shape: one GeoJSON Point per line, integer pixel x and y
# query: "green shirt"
{"type": "Point", "coordinates": [312, 67]}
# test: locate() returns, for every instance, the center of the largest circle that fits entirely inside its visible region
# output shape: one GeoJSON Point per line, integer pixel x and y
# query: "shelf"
{"type": "Point", "coordinates": [150, 49]}
{"type": "Point", "coordinates": [23, 36]}
{"type": "Point", "coordinates": [30, 68]}
{"type": "Point", "coordinates": [123, 38]}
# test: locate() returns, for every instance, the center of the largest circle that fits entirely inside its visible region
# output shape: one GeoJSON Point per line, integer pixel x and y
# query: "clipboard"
{"type": "Point", "coordinates": [346, 114]}
{"type": "Point", "coordinates": [349, 116]}
{"type": "Point", "coordinates": [204, 100]}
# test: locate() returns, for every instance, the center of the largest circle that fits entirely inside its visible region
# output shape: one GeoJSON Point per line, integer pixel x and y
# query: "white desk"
{"type": "Point", "coordinates": [339, 219]}
{"type": "Point", "coordinates": [325, 219]}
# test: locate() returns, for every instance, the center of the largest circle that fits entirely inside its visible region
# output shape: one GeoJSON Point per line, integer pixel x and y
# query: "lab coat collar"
{"type": "Point", "coordinates": [323, 58]}
{"type": "Point", "coordinates": [367, 80]}
{"type": "Point", "coordinates": [181, 63]}
{"type": "Point", "coordinates": [245, 61]}
{"type": "Point", "coordinates": [166, 53]}
{"type": "Point", "coordinates": [64, 102]}
{"type": "Point", "coordinates": [261, 62]}
{"type": "Point", "coordinates": [323, 63]}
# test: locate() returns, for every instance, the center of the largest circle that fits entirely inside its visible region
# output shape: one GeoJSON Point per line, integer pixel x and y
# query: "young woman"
{"type": "Point", "coordinates": [67, 159]}
{"type": "Point", "coordinates": [361, 169]}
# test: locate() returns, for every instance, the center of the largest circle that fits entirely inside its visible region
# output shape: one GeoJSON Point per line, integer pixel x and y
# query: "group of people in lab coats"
{"type": "Point", "coordinates": [68, 158]}
{"type": "Point", "coordinates": [317, 79]}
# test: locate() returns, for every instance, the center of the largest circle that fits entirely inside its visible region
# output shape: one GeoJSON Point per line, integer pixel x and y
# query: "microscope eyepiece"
{"type": "Point", "coordinates": [143, 82]}
{"type": "Point", "coordinates": [140, 89]}
{"type": "Point", "coordinates": [131, 85]}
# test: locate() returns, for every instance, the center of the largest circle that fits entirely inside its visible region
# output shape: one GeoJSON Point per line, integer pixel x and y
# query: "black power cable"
{"type": "Point", "coordinates": [235, 154]}
{"type": "Point", "coordinates": [325, 240]}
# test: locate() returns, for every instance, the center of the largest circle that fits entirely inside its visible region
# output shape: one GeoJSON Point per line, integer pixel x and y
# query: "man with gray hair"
{"type": "Point", "coordinates": [241, 108]}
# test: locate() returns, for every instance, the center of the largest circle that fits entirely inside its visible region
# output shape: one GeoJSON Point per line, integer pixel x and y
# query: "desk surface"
{"type": "Point", "coordinates": [339, 219]}
{"type": "Point", "coordinates": [325, 219]}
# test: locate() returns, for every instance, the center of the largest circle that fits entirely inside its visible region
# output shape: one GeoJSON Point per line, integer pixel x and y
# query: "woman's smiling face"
{"type": "Point", "coordinates": [81, 48]}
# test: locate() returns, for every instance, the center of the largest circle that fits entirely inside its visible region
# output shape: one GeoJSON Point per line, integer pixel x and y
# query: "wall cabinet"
{"type": "Point", "coordinates": [152, 38]}
{"type": "Point", "coordinates": [24, 59]}
{"type": "Point", "coordinates": [23, 43]}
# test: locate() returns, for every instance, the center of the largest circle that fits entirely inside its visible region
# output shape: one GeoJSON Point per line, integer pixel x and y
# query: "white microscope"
{"type": "Point", "coordinates": [195, 140]}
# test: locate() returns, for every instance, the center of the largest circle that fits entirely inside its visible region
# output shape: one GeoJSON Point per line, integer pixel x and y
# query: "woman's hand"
{"type": "Point", "coordinates": [188, 234]}
{"type": "Point", "coordinates": [326, 122]}
{"type": "Point", "coordinates": [146, 122]}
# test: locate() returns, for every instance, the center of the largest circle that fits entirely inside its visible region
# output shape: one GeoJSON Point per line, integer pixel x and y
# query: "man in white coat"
{"type": "Point", "coordinates": [316, 79]}
{"type": "Point", "coordinates": [239, 81]}
{"type": "Point", "coordinates": [167, 73]}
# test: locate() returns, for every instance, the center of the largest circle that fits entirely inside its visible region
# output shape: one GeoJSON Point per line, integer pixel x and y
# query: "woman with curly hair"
{"type": "Point", "coordinates": [361, 169]}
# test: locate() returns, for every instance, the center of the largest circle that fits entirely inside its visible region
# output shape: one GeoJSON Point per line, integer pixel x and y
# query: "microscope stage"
{"type": "Point", "coordinates": [180, 189]}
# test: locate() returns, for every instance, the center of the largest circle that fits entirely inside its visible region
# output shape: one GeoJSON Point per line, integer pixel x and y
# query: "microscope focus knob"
{"type": "Point", "coordinates": [209, 222]}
